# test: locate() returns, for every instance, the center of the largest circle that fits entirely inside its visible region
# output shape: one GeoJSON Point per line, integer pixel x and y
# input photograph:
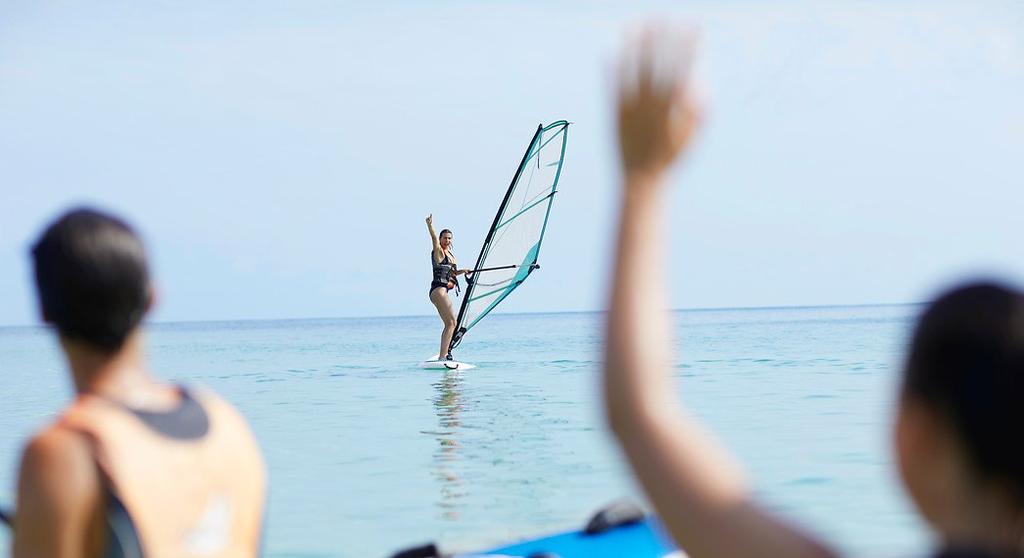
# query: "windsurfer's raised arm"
{"type": "Point", "coordinates": [438, 255]}
{"type": "Point", "coordinates": [695, 486]}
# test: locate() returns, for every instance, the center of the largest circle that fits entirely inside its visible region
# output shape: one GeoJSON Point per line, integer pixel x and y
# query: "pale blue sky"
{"type": "Point", "coordinates": [280, 157]}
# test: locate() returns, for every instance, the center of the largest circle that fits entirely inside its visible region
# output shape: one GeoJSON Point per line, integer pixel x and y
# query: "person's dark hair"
{"type": "Point", "coordinates": [449, 231]}
{"type": "Point", "coordinates": [92, 278]}
{"type": "Point", "coordinates": [966, 362]}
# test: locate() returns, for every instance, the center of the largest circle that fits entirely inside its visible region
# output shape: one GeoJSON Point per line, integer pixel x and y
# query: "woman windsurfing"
{"type": "Point", "coordinates": [444, 280]}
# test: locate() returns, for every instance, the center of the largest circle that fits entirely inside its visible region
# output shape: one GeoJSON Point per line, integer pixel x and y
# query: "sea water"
{"type": "Point", "coordinates": [368, 453]}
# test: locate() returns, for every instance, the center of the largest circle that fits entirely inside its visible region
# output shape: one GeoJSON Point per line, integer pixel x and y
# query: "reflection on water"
{"type": "Point", "coordinates": [448, 402]}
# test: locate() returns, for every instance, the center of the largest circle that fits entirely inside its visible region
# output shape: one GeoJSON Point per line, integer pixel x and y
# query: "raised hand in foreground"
{"type": "Point", "coordinates": [694, 485]}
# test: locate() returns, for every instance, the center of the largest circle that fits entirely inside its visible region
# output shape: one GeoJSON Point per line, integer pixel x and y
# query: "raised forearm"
{"type": "Point", "coordinates": [673, 459]}
{"type": "Point", "coordinates": [695, 485]}
{"type": "Point", "coordinates": [638, 325]}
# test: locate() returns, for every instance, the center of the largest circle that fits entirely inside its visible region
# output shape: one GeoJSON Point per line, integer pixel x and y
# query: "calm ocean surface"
{"type": "Point", "coordinates": [369, 454]}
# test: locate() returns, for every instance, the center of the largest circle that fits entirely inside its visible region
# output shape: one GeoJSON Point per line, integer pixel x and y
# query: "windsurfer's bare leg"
{"type": "Point", "coordinates": [439, 297]}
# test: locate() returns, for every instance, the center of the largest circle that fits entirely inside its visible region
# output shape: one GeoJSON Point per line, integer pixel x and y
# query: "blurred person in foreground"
{"type": "Point", "coordinates": [959, 416]}
{"type": "Point", "coordinates": [132, 466]}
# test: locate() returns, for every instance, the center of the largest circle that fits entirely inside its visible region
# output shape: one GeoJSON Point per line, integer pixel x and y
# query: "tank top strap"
{"type": "Point", "coordinates": [202, 496]}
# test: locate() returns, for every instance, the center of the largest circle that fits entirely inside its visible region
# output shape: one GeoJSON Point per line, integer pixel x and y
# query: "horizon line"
{"type": "Point", "coordinates": [401, 316]}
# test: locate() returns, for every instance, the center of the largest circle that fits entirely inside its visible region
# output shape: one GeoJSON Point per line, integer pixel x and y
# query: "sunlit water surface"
{"type": "Point", "coordinates": [368, 453]}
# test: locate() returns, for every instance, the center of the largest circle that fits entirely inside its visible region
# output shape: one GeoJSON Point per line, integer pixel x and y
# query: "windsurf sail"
{"type": "Point", "coordinates": [512, 245]}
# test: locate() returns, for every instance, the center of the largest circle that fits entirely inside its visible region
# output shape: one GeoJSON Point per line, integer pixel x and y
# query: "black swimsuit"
{"type": "Point", "coordinates": [443, 272]}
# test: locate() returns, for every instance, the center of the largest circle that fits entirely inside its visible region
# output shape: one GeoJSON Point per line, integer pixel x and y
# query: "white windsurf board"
{"type": "Point", "coordinates": [433, 364]}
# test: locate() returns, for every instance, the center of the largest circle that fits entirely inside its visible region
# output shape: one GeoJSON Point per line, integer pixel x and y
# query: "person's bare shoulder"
{"type": "Point", "coordinates": [58, 456]}
{"type": "Point", "coordinates": [58, 493]}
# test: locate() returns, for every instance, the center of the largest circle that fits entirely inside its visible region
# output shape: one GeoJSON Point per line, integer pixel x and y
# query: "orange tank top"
{"type": "Point", "coordinates": [201, 496]}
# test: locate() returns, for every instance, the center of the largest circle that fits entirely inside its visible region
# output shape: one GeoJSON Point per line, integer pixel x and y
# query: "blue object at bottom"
{"type": "Point", "coordinates": [645, 539]}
